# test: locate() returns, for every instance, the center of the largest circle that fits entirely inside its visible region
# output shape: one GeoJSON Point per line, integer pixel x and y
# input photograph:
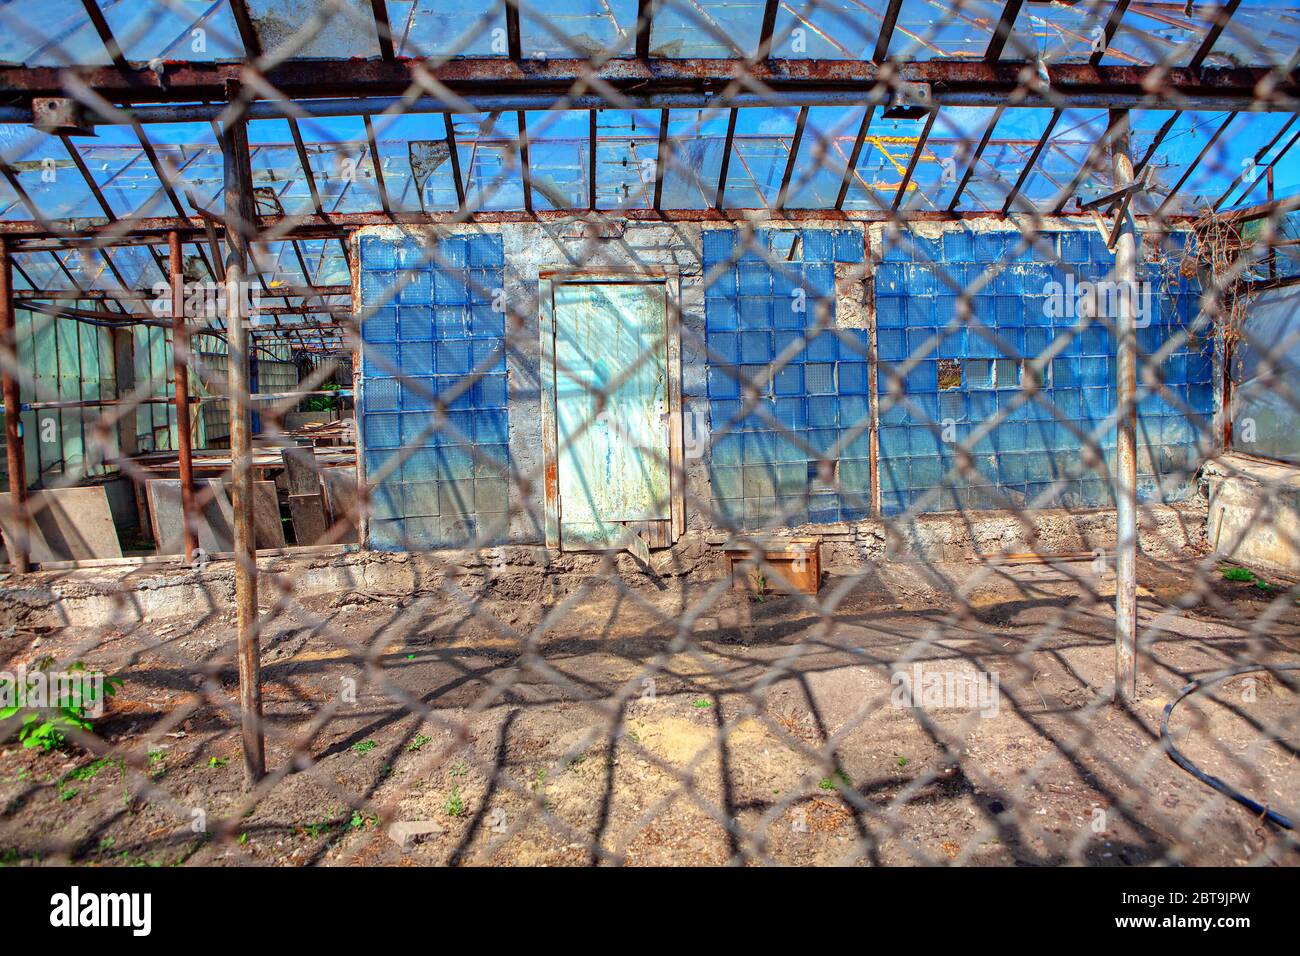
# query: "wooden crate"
{"type": "Point", "coordinates": [796, 560]}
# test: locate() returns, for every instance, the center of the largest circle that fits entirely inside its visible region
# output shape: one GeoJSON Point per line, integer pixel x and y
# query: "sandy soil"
{"type": "Point", "coordinates": [648, 725]}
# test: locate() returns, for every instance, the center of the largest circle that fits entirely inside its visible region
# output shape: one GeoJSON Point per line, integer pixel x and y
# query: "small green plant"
{"type": "Point", "coordinates": [216, 763]}
{"type": "Point", "coordinates": [1238, 574]}
{"type": "Point", "coordinates": [361, 820]}
{"type": "Point", "coordinates": [458, 769]}
{"type": "Point", "coordinates": [78, 690]}
{"type": "Point", "coordinates": [902, 761]}
{"type": "Point", "coordinates": [243, 839]}
{"type": "Point", "coordinates": [828, 783]}
{"type": "Point", "coordinates": [419, 741]}
{"type": "Point", "coordinates": [454, 806]}
{"type": "Point", "coordinates": [107, 843]}
{"type": "Point", "coordinates": [313, 830]}
{"type": "Point", "coordinates": [702, 703]}
{"type": "Point", "coordinates": [364, 746]}
{"type": "Point", "coordinates": [1263, 585]}
{"type": "Point", "coordinates": [66, 792]}
{"type": "Point", "coordinates": [91, 770]}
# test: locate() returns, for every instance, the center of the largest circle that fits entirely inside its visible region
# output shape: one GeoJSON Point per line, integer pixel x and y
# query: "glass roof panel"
{"type": "Point", "coordinates": [827, 143]}
{"type": "Point", "coordinates": [1163, 32]}
{"type": "Point", "coordinates": [627, 152]}
{"type": "Point", "coordinates": [47, 175]}
{"type": "Point", "coordinates": [487, 143]}
{"type": "Point", "coordinates": [886, 151]}
{"type": "Point", "coordinates": [286, 29]}
{"type": "Point", "coordinates": [1067, 150]}
{"type": "Point", "coordinates": [946, 155]}
{"type": "Point", "coordinates": [695, 142]}
{"type": "Point", "coordinates": [174, 29]}
{"type": "Point", "coordinates": [579, 28]}
{"type": "Point", "coordinates": [830, 30]}
{"type": "Point", "coordinates": [706, 28]}
{"type": "Point", "coordinates": [1014, 138]}
{"type": "Point", "coordinates": [760, 153]}
{"type": "Point", "coordinates": [1261, 31]}
{"type": "Point", "coordinates": [558, 160]}
{"type": "Point", "coordinates": [1232, 154]}
{"type": "Point", "coordinates": [928, 29]}
{"type": "Point", "coordinates": [49, 33]}
{"type": "Point", "coordinates": [433, 28]}
{"type": "Point", "coordinates": [1058, 32]}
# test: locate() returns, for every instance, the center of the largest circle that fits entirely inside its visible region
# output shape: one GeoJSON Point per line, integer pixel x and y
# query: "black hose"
{"type": "Point", "coordinates": [1257, 808]}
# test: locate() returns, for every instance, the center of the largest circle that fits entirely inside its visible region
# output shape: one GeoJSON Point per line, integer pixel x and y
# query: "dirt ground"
{"type": "Point", "coordinates": [688, 725]}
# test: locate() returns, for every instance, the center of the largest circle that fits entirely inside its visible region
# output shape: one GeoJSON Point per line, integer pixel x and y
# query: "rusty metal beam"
{"type": "Point", "coordinates": [180, 371]}
{"type": "Point", "coordinates": [1006, 23]}
{"type": "Point", "coordinates": [33, 235]}
{"type": "Point", "coordinates": [163, 178]}
{"type": "Point", "coordinates": [377, 165]}
{"type": "Point", "coordinates": [591, 159]}
{"type": "Point", "coordinates": [956, 82]}
{"type": "Point", "coordinates": [1221, 17]}
{"type": "Point", "coordinates": [1159, 138]}
{"type": "Point", "coordinates": [1032, 161]}
{"type": "Point", "coordinates": [726, 160]}
{"type": "Point", "coordinates": [886, 31]}
{"type": "Point", "coordinates": [1109, 30]}
{"type": "Point", "coordinates": [765, 30]}
{"type": "Point", "coordinates": [454, 155]}
{"type": "Point", "coordinates": [784, 192]}
{"type": "Point", "coordinates": [305, 162]}
{"type": "Point", "coordinates": [644, 24]}
{"type": "Point", "coordinates": [380, 10]}
{"type": "Point", "coordinates": [661, 160]}
{"type": "Point", "coordinates": [854, 153]}
{"type": "Point", "coordinates": [19, 546]}
{"type": "Point", "coordinates": [247, 31]}
{"type": "Point", "coordinates": [240, 212]}
{"type": "Point", "coordinates": [1125, 690]}
{"type": "Point", "coordinates": [513, 44]}
{"type": "Point", "coordinates": [100, 23]}
{"type": "Point", "coordinates": [525, 172]}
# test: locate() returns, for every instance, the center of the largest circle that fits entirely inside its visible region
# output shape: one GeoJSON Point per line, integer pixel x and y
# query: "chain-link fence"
{"type": "Point", "coordinates": [661, 432]}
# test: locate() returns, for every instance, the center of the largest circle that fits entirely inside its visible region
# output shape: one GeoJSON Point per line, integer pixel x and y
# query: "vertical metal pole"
{"type": "Point", "coordinates": [19, 549]}
{"type": "Point", "coordinates": [240, 224]}
{"type": "Point", "coordinates": [180, 366]}
{"type": "Point", "coordinates": [1126, 428]}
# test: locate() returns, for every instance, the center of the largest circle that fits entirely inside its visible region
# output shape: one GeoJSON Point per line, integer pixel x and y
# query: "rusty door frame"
{"type": "Point", "coordinates": [668, 277]}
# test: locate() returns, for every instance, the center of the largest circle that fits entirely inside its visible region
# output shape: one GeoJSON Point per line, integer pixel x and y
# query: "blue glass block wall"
{"type": "Point", "coordinates": [752, 314]}
{"type": "Point", "coordinates": [968, 379]}
{"type": "Point", "coordinates": [425, 340]}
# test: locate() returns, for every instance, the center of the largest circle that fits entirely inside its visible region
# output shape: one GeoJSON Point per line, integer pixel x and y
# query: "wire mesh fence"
{"type": "Point", "coordinates": [808, 467]}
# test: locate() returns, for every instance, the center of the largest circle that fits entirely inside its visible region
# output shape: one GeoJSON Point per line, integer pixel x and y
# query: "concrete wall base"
{"type": "Point", "coordinates": [1254, 512]}
{"type": "Point", "coordinates": [120, 597]}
